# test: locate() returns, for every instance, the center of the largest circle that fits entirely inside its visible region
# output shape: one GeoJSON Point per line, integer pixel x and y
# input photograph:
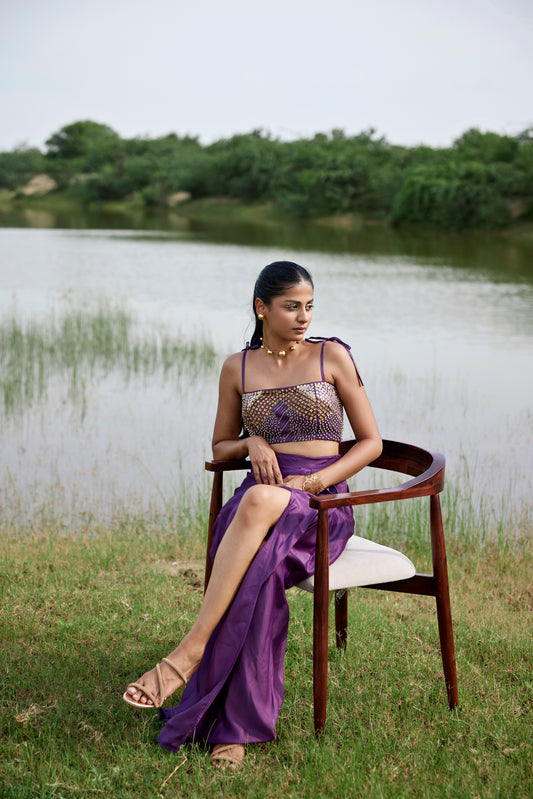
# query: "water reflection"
{"type": "Point", "coordinates": [79, 218]}
{"type": "Point", "coordinates": [501, 255]}
{"type": "Point", "coordinates": [492, 254]}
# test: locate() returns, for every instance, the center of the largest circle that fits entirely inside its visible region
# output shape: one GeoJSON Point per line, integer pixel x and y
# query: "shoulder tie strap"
{"type": "Point", "coordinates": [322, 360]}
{"type": "Point", "coordinates": [243, 367]}
{"type": "Point", "coordinates": [338, 341]}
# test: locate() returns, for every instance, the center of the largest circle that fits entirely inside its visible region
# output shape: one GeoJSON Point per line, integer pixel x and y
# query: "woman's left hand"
{"type": "Point", "coordinates": [298, 481]}
{"type": "Point", "coordinates": [295, 481]}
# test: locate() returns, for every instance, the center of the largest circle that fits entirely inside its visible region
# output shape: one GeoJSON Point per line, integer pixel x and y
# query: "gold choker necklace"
{"type": "Point", "coordinates": [280, 353]}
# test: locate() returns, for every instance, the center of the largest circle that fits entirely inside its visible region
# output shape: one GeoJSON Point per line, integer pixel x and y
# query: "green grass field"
{"type": "Point", "coordinates": [83, 615]}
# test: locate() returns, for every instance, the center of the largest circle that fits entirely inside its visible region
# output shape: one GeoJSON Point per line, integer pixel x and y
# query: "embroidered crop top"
{"type": "Point", "coordinates": [304, 412]}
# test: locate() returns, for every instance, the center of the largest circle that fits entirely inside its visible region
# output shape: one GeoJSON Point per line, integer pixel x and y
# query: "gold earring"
{"type": "Point", "coordinates": [260, 316]}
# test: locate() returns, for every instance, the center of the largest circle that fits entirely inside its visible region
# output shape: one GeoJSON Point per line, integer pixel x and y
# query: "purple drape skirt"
{"type": "Point", "coordinates": [236, 695]}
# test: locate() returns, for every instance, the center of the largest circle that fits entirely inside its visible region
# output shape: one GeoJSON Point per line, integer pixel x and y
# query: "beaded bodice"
{"type": "Point", "coordinates": [305, 412]}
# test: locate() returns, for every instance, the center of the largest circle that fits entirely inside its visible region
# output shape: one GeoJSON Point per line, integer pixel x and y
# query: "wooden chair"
{"type": "Point", "coordinates": [365, 563]}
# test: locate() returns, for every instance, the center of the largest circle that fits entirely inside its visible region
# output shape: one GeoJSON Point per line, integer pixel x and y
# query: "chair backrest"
{"type": "Point", "coordinates": [399, 457]}
{"type": "Point", "coordinates": [426, 467]}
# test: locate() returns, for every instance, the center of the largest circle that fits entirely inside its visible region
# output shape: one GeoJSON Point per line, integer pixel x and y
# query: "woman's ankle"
{"type": "Point", "coordinates": [188, 653]}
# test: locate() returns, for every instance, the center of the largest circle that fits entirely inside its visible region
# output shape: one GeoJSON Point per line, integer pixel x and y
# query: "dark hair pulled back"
{"type": "Point", "coordinates": [272, 281]}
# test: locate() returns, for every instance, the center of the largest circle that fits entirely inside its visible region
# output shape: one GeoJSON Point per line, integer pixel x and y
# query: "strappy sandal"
{"type": "Point", "coordinates": [156, 704]}
{"type": "Point", "coordinates": [220, 758]}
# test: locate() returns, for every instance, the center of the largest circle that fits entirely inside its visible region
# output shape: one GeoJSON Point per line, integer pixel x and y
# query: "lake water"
{"type": "Point", "coordinates": [441, 328]}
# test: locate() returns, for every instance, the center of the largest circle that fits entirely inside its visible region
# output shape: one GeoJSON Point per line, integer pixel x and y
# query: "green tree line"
{"type": "Point", "coordinates": [483, 180]}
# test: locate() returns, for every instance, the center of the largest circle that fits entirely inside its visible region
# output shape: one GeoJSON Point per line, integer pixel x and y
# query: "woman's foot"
{"type": "Point", "coordinates": [159, 683]}
{"type": "Point", "coordinates": [227, 756]}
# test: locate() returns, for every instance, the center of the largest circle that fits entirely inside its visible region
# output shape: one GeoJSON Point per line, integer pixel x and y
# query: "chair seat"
{"type": "Point", "coordinates": [364, 562]}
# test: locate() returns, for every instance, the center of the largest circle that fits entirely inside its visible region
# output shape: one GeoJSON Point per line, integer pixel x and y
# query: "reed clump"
{"type": "Point", "coordinates": [81, 345]}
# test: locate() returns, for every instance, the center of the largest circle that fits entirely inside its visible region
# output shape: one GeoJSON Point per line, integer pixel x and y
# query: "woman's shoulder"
{"type": "Point", "coordinates": [337, 351]}
{"type": "Point", "coordinates": [234, 360]}
{"type": "Point", "coordinates": [334, 347]}
{"type": "Point", "coordinates": [232, 367]}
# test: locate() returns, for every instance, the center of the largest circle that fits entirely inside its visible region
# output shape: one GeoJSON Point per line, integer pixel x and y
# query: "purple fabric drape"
{"type": "Point", "coordinates": [236, 695]}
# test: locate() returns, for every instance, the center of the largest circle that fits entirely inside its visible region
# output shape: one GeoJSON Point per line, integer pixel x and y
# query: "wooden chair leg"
{"type": "Point", "coordinates": [341, 618]}
{"type": "Point", "coordinates": [444, 614]}
{"type": "Point", "coordinates": [320, 622]}
{"type": "Point", "coordinates": [214, 508]}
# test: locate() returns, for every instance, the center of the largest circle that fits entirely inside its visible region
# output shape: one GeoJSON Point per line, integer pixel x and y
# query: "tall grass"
{"type": "Point", "coordinates": [82, 343]}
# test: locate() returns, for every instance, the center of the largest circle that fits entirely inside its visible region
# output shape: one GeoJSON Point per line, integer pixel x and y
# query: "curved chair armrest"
{"type": "Point", "coordinates": [430, 481]}
{"type": "Point", "coordinates": [227, 466]}
{"type": "Point", "coordinates": [396, 456]}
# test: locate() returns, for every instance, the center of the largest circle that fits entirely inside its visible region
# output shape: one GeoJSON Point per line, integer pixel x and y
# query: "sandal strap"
{"type": "Point", "coordinates": [162, 696]}
{"type": "Point", "coordinates": [145, 691]}
{"type": "Point", "coordinates": [175, 668]}
{"type": "Point", "coordinates": [157, 703]}
{"type": "Point", "coordinates": [216, 755]}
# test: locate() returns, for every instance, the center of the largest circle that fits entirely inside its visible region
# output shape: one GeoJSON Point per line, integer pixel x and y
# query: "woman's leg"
{"type": "Point", "coordinates": [260, 508]}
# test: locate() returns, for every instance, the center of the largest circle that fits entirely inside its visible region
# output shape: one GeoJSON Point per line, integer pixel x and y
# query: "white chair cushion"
{"type": "Point", "coordinates": [364, 562]}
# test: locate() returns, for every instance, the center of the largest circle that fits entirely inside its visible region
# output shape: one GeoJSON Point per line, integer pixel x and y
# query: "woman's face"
{"type": "Point", "coordinates": [289, 314]}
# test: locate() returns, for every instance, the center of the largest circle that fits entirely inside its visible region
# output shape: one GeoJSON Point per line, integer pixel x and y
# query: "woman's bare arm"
{"type": "Point", "coordinates": [340, 369]}
{"type": "Point", "coordinates": [226, 442]}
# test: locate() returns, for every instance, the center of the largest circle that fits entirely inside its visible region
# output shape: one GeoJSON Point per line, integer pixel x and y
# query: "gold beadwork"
{"type": "Point", "coordinates": [305, 412]}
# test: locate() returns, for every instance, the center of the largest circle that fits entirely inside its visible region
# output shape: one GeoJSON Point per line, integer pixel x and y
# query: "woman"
{"type": "Point", "coordinates": [289, 392]}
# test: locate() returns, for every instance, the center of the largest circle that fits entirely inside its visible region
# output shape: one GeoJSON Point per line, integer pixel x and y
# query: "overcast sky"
{"type": "Point", "coordinates": [415, 70]}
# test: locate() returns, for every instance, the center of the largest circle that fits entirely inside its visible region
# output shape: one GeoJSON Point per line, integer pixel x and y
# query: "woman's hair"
{"type": "Point", "coordinates": [272, 281]}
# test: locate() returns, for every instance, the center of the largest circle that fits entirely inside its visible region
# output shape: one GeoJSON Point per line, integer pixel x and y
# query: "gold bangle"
{"type": "Point", "coordinates": [312, 484]}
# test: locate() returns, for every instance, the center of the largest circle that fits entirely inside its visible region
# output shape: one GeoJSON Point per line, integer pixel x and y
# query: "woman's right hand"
{"type": "Point", "coordinates": [264, 462]}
